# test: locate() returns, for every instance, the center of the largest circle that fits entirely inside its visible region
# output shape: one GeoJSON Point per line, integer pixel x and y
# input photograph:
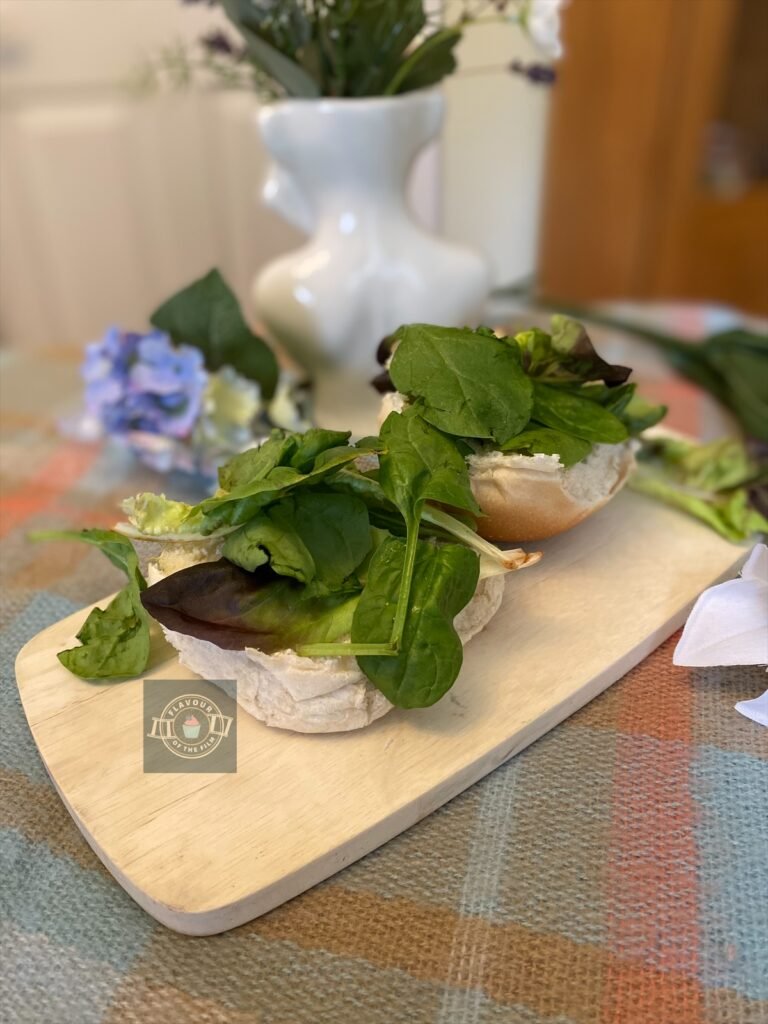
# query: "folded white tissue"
{"type": "Point", "coordinates": [729, 626]}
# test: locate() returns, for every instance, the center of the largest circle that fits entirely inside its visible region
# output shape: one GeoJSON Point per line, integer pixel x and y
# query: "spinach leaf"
{"type": "Point", "coordinates": [382, 512]}
{"type": "Point", "coordinates": [635, 412]}
{"type": "Point", "coordinates": [115, 641]}
{"type": "Point", "coordinates": [311, 536]}
{"type": "Point", "coordinates": [249, 482]}
{"type": "Point", "coordinates": [430, 654]}
{"type": "Point", "coordinates": [434, 522]}
{"type": "Point", "coordinates": [235, 609]}
{"type": "Point", "coordinates": [370, 443]}
{"type": "Point", "coordinates": [114, 546]}
{"type": "Point", "coordinates": [536, 438]}
{"type": "Point", "coordinates": [299, 452]}
{"type": "Point", "coordinates": [315, 442]}
{"type": "Point", "coordinates": [615, 399]}
{"type": "Point", "coordinates": [265, 540]}
{"type": "Point", "coordinates": [336, 531]}
{"type": "Point", "coordinates": [244, 500]}
{"type": "Point", "coordinates": [467, 383]}
{"type": "Point", "coordinates": [255, 463]}
{"type": "Point", "coordinates": [573, 414]}
{"type": "Point", "coordinates": [206, 314]}
{"type": "Point", "coordinates": [639, 414]}
{"type": "Point", "coordinates": [421, 464]}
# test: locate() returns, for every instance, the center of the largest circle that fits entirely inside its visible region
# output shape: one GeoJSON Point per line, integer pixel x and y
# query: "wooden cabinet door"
{"type": "Point", "coordinates": [639, 201]}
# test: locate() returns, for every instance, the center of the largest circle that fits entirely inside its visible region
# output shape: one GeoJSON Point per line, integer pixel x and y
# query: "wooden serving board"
{"type": "Point", "coordinates": [204, 853]}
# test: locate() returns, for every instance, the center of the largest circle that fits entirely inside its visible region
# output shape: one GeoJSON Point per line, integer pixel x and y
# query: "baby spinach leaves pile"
{"type": "Point", "coordinates": [317, 556]}
{"type": "Point", "coordinates": [534, 392]}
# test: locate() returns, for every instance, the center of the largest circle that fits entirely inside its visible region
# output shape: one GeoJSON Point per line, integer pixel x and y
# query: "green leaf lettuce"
{"type": "Point", "coordinates": [712, 482]}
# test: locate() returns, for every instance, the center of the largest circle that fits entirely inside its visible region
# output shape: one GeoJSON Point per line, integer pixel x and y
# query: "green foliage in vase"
{"type": "Point", "coordinates": [344, 48]}
{"type": "Point", "coordinates": [348, 48]}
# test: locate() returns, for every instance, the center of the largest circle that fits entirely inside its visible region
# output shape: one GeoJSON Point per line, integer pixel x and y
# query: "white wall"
{"type": "Point", "coordinates": [108, 202]}
{"type": "Point", "coordinates": [493, 149]}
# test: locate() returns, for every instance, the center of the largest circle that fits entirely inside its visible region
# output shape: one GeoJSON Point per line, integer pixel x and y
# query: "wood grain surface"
{"type": "Point", "coordinates": [205, 853]}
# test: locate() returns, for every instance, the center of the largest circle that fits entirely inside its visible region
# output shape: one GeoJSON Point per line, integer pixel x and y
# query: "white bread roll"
{"type": "Point", "coordinates": [287, 691]}
{"type": "Point", "coordinates": [532, 497]}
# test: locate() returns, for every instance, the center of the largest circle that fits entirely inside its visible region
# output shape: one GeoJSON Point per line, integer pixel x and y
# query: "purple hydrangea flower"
{"type": "Point", "coordinates": [142, 382]}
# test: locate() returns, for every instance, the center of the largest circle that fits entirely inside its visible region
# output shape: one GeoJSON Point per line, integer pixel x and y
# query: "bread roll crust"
{"type": "Point", "coordinates": [530, 498]}
{"type": "Point", "coordinates": [533, 497]}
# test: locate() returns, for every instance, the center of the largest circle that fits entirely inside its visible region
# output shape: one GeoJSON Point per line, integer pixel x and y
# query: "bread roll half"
{"type": "Point", "coordinates": [532, 497]}
{"type": "Point", "coordinates": [287, 691]}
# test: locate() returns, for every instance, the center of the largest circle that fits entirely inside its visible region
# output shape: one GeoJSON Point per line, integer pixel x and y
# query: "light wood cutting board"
{"type": "Point", "coordinates": [204, 853]}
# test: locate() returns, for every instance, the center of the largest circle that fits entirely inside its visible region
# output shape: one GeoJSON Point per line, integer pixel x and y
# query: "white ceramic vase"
{"type": "Point", "coordinates": [340, 172]}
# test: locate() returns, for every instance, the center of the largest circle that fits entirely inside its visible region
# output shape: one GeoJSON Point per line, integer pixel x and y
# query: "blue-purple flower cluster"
{"type": "Point", "coordinates": [158, 400]}
{"type": "Point", "coordinates": [142, 382]}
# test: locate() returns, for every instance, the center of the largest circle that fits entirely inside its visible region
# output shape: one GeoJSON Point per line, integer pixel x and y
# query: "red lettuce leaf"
{"type": "Point", "coordinates": [235, 609]}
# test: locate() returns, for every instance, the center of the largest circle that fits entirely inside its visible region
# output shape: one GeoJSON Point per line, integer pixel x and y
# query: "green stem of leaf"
{"type": "Point", "coordinates": [493, 559]}
{"type": "Point", "coordinates": [342, 650]}
{"type": "Point", "coordinates": [401, 611]}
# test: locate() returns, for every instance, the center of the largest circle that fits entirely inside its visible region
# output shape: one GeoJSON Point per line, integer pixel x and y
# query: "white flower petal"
{"type": "Point", "coordinates": [756, 566]}
{"type": "Point", "coordinates": [756, 709]}
{"type": "Point", "coordinates": [729, 622]}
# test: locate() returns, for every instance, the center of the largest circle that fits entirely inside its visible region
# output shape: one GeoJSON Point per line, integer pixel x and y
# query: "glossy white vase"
{"type": "Point", "coordinates": [340, 173]}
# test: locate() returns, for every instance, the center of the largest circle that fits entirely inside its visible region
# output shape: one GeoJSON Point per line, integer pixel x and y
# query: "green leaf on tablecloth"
{"type": "Point", "coordinates": [206, 314]}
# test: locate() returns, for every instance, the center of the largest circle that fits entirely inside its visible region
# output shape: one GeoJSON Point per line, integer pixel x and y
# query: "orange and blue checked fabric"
{"type": "Point", "coordinates": [616, 872]}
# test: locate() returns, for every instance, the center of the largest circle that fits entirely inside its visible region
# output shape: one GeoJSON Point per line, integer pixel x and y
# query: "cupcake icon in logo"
{"type": "Point", "coordinates": [191, 727]}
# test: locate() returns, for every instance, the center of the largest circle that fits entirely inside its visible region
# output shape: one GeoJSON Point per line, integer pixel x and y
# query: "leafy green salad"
{"type": "Point", "coordinates": [529, 393]}
{"type": "Point", "coordinates": [718, 483]}
{"type": "Point", "coordinates": [370, 550]}
{"type": "Point", "coordinates": [317, 555]}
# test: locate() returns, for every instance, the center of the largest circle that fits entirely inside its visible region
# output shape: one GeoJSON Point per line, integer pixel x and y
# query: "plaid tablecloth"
{"type": "Point", "coordinates": [616, 872]}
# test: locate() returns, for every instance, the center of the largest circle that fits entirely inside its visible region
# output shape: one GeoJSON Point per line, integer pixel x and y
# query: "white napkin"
{"type": "Point", "coordinates": [729, 626]}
